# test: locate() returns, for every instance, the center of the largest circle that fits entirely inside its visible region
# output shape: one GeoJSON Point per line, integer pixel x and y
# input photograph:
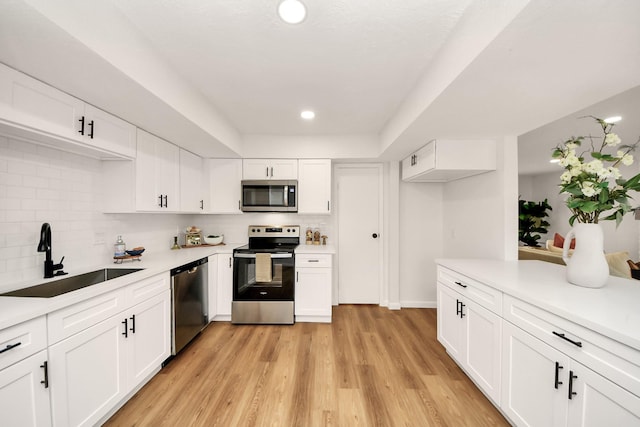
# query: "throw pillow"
{"type": "Point", "coordinates": [618, 264]}
{"type": "Point", "coordinates": [558, 241]}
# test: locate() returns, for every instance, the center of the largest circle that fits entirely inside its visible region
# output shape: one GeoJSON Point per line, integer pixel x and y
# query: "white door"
{"type": "Point", "coordinates": [359, 226]}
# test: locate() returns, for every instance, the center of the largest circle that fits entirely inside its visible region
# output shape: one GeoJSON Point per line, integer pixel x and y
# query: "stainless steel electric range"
{"type": "Point", "coordinates": [264, 276]}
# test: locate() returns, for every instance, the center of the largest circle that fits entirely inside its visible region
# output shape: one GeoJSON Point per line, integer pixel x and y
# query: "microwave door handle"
{"type": "Point", "coordinates": [286, 195]}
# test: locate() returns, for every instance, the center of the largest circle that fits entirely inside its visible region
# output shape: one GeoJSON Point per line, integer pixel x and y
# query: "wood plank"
{"type": "Point", "coordinates": [371, 366]}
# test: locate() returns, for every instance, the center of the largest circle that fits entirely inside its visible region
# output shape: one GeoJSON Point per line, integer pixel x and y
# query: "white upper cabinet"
{"type": "Point", "coordinates": [314, 186]}
{"type": "Point", "coordinates": [157, 174]}
{"type": "Point", "coordinates": [192, 188]}
{"type": "Point", "coordinates": [224, 182]}
{"type": "Point", "coordinates": [35, 111]}
{"type": "Point", "coordinates": [448, 160]}
{"type": "Point", "coordinates": [270, 169]}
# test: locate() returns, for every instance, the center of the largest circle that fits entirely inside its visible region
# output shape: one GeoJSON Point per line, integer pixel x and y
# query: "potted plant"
{"type": "Point", "coordinates": [531, 220]}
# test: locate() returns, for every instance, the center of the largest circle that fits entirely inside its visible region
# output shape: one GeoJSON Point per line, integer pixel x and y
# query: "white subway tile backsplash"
{"type": "Point", "coordinates": [17, 192]}
{"type": "Point", "coordinates": [35, 181]}
{"type": "Point", "coordinates": [10, 178]}
{"type": "Point", "coordinates": [20, 216]}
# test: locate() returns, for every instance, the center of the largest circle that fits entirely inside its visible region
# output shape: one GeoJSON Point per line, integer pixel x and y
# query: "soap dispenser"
{"type": "Point", "coordinates": [119, 247]}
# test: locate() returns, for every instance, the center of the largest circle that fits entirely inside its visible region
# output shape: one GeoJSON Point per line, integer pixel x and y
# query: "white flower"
{"type": "Point", "coordinates": [588, 190]}
{"type": "Point", "coordinates": [612, 139]}
{"type": "Point", "coordinates": [593, 167]}
{"type": "Point", "coordinates": [575, 171]}
{"type": "Point", "coordinates": [627, 160]}
{"type": "Point", "coordinates": [571, 145]}
{"type": "Point", "coordinates": [614, 172]}
{"type": "Point", "coordinates": [565, 178]}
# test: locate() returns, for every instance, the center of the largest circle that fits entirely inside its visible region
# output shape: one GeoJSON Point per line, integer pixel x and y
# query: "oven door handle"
{"type": "Point", "coordinates": [285, 255]}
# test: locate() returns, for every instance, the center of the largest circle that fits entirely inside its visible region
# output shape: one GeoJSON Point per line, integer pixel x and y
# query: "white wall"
{"type": "Point", "coordinates": [421, 242]}
{"type": "Point", "coordinates": [545, 186]}
{"type": "Point", "coordinates": [481, 212]}
{"type": "Point", "coordinates": [37, 185]}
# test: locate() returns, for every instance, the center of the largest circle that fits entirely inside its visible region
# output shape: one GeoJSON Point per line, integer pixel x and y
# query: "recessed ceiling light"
{"type": "Point", "coordinates": [614, 119]}
{"type": "Point", "coordinates": [292, 11]}
{"type": "Point", "coordinates": [307, 114]}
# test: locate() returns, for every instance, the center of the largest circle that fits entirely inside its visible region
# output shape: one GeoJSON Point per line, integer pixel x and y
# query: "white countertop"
{"type": "Point", "coordinates": [315, 249]}
{"type": "Point", "coordinates": [14, 310]}
{"type": "Point", "coordinates": [613, 311]}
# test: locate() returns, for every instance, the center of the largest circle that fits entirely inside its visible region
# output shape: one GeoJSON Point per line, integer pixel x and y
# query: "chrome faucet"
{"type": "Point", "coordinates": [45, 246]}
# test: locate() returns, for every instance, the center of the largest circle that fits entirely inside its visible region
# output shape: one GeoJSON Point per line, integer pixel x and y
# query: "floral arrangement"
{"type": "Point", "coordinates": [596, 186]}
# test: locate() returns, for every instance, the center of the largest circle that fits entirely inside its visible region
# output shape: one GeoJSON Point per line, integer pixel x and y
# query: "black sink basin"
{"type": "Point", "coordinates": [68, 284]}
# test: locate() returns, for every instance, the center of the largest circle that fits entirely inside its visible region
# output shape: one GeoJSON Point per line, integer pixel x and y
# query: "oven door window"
{"type": "Point", "coordinates": [246, 287]}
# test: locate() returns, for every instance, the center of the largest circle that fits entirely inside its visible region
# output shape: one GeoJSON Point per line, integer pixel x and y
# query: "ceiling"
{"type": "Point", "coordinates": [228, 78]}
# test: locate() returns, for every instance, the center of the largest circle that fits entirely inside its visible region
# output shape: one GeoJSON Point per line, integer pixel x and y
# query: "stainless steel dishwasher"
{"type": "Point", "coordinates": [189, 302]}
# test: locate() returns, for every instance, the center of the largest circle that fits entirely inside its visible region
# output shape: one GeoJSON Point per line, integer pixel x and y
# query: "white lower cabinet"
{"type": "Point", "coordinates": [93, 370]}
{"type": "Point", "coordinates": [222, 294]}
{"type": "Point", "coordinates": [472, 336]}
{"type": "Point", "coordinates": [544, 387]}
{"type": "Point", "coordinates": [313, 288]}
{"type": "Point", "coordinates": [24, 394]}
{"type": "Point", "coordinates": [88, 374]}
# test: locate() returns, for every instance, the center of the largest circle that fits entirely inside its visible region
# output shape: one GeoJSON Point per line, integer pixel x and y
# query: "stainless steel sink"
{"type": "Point", "coordinates": [68, 284]}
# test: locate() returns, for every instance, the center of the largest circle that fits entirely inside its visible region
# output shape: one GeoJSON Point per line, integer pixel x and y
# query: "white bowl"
{"type": "Point", "coordinates": [213, 239]}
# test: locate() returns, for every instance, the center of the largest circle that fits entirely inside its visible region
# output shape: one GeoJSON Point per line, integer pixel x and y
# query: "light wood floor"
{"type": "Point", "coordinates": [370, 367]}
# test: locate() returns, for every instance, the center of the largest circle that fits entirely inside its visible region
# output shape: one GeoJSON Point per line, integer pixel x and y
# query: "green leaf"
{"type": "Point", "coordinates": [589, 206]}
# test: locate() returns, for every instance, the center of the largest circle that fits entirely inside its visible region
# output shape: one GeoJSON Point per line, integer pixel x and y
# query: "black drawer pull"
{"type": "Point", "coordinates": [9, 347]}
{"type": "Point", "coordinates": [45, 381]}
{"type": "Point", "coordinates": [125, 322]}
{"type": "Point", "coordinates": [133, 324]}
{"type": "Point", "coordinates": [576, 343]}
{"type": "Point", "coordinates": [571, 378]}
{"type": "Point", "coordinates": [460, 284]}
{"type": "Point", "coordinates": [558, 382]}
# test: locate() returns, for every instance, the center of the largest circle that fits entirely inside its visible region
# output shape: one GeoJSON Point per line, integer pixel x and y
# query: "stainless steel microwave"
{"type": "Point", "coordinates": [269, 195]}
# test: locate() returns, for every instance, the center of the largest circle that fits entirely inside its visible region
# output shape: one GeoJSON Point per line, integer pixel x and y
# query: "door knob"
{"type": "Point", "coordinates": [374, 235]}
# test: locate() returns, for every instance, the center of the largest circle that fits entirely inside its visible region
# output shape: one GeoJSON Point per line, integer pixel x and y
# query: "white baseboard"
{"type": "Point", "coordinates": [418, 304]}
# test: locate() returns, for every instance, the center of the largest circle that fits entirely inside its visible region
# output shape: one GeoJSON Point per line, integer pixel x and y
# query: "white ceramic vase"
{"type": "Point", "coordinates": [587, 266]}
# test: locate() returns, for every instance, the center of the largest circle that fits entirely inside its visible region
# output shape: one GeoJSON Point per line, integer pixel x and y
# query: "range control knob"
{"type": "Point", "coordinates": [253, 230]}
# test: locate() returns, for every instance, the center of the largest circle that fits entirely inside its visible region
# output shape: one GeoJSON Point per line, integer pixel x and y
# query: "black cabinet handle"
{"type": "Point", "coordinates": [81, 131]}
{"type": "Point", "coordinates": [267, 174]}
{"type": "Point", "coordinates": [229, 262]}
{"type": "Point", "coordinates": [125, 322]}
{"type": "Point", "coordinates": [576, 343]}
{"type": "Point", "coordinates": [328, 205]}
{"type": "Point", "coordinates": [271, 171]}
{"type": "Point", "coordinates": [462, 306]}
{"type": "Point", "coordinates": [133, 324]}
{"type": "Point", "coordinates": [297, 276]}
{"type": "Point", "coordinates": [160, 199]}
{"type": "Point", "coordinates": [558, 382]}
{"type": "Point", "coordinates": [571, 378]}
{"type": "Point", "coordinates": [201, 204]}
{"type": "Point", "coordinates": [9, 347]}
{"type": "Point", "coordinates": [460, 284]}
{"type": "Point", "coordinates": [90, 134]}
{"type": "Point", "coordinates": [374, 235]}
{"type": "Point", "coordinates": [45, 381]}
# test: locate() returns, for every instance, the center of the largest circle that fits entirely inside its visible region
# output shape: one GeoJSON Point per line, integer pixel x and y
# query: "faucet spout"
{"type": "Point", "coordinates": [45, 246]}
{"type": "Point", "coordinates": [45, 240]}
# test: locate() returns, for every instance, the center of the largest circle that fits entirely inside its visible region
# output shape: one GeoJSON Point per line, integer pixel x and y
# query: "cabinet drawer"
{"type": "Point", "coordinates": [312, 260]}
{"type": "Point", "coordinates": [147, 288]}
{"type": "Point", "coordinates": [22, 340]}
{"type": "Point", "coordinates": [73, 319]}
{"type": "Point", "coordinates": [486, 296]}
{"type": "Point", "coordinates": [611, 359]}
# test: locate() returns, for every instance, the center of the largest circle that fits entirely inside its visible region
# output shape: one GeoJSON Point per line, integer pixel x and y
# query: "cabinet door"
{"type": "Point", "coordinates": [224, 289]}
{"type": "Point", "coordinates": [192, 188]}
{"type": "Point", "coordinates": [108, 132]}
{"type": "Point", "coordinates": [255, 169]}
{"type": "Point", "coordinates": [37, 105]}
{"type": "Point", "coordinates": [450, 325]}
{"type": "Point", "coordinates": [149, 336]}
{"type": "Point", "coordinates": [24, 400]}
{"type": "Point", "coordinates": [483, 349]}
{"type": "Point", "coordinates": [148, 196]}
{"type": "Point", "coordinates": [168, 174]}
{"type": "Point", "coordinates": [284, 169]}
{"type": "Point", "coordinates": [87, 374]}
{"type": "Point", "coordinates": [314, 186]}
{"type": "Point", "coordinates": [313, 294]}
{"type": "Point", "coordinates": [534, 380]}
{"type": "Point", "coordinates": [599, 402]}
{"type": "Point", "coordinates": [225, 189]}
